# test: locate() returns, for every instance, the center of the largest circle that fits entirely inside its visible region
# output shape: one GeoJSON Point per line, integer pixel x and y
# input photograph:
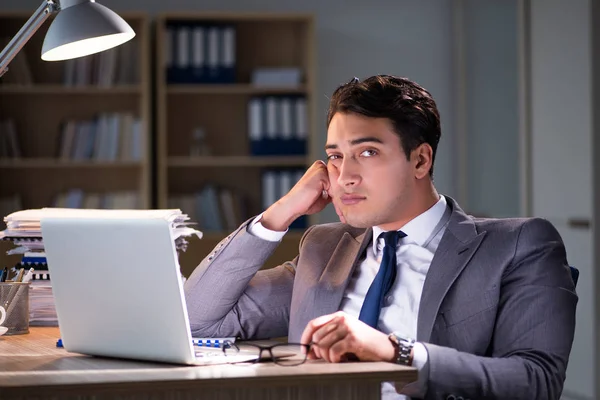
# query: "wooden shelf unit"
{"type": "Point", "coordinates": [40, 108]}
{"type": "Point", "coordinates": [271, 40]}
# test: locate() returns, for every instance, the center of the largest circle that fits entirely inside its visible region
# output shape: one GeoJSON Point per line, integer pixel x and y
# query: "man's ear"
{"type": "Point", "coordinates": [422, 158]}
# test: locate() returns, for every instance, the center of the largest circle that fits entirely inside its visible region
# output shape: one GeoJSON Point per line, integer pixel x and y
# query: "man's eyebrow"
{"type": "Point", "coordinates": [356, 141]}
{"type": "Point", "coordinates": [365, 140]}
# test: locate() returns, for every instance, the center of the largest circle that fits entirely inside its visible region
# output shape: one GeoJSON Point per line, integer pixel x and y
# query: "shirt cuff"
{"type": "Point", "coordinates": [421, 363]}
{"type": "Point", "coordinates": [257, 229]}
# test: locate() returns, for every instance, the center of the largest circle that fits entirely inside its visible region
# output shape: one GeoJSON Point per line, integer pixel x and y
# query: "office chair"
{"type": "Point", "coordinates": [574, 274]}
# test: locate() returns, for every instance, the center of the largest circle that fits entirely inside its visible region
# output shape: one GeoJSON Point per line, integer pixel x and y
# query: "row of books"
{"type": "Point", "coordinates": [116, 66]}
{"type": "Point", "coordinates": [9, 142]}
{"type": "Point", "coordinates": [214, 208]}
{"type": "Point", "coordinates": [77, 198]}
{"type": "Point", "coordinates": [220, 209]}
{"type": "Point", "coordinates": [108, 137]}
{"type": "Point", "coordinates": [275, 183]}
{"type": "Point", "coordinates": [200, 52]}
{"type": "Point", "coordinates": [277, 125]}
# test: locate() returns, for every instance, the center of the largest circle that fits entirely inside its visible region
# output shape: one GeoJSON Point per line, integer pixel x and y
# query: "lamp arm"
{"type": "Point", "coordinates": [47, 8]}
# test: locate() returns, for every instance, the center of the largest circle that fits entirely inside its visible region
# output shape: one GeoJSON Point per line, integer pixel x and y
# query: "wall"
{"type": "Point", "coordinates": [490, 35]}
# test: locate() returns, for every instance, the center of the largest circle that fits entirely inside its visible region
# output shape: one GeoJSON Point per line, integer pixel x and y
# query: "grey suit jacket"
{"type": "Point", "coordinates": [497, 312]}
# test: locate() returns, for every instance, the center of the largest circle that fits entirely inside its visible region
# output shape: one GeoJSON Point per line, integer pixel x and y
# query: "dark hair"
{"type": "Point", "coordinates": [409, 106]}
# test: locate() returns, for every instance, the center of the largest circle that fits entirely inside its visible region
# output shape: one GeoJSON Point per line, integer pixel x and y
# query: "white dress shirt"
{"type": "Point", "coordinates": [401, 308]}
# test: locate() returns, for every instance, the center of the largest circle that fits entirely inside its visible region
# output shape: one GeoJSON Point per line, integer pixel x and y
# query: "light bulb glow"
{"type": "Point", "coordinates": [86, 47]}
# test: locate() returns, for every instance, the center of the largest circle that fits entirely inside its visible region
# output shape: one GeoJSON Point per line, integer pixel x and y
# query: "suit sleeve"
{"type": "Point", "coordinates": [533, 334]}
{"type": "Point", "coordinates": [227, 295]}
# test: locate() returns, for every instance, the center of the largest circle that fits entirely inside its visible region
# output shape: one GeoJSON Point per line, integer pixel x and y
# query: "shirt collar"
{"type": "Point", "coordinates": [420, 228]}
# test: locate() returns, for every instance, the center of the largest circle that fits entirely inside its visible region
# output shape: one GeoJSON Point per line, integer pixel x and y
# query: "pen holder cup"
{"type": "Point", "coordinates": [14, 307]}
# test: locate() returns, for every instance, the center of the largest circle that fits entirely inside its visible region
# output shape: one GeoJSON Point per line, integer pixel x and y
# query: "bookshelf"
{"type": "Point", "coordinates": [82, 126]}
{"type": "Point", "coordinates": [191, 98]}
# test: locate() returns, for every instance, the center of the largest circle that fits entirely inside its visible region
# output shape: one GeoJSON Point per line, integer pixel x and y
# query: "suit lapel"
{"type": "Point", "coordinates": [339, 269]}
{"type": "Point", "coordinates": [459, 242]}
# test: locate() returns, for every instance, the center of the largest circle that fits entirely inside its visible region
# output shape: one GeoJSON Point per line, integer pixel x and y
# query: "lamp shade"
{"type": "Point", "coordinates": [82, 28]}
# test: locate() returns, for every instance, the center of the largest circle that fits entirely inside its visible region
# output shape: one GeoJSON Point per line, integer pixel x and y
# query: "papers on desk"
{"type": "Point", "coordinates": [23, 229]}
{"type": "Point", "coordinates": [27, 223]}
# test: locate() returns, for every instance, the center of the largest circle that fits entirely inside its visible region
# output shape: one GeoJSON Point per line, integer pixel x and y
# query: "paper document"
{"type": "Point", "coordinates": [27, 223]}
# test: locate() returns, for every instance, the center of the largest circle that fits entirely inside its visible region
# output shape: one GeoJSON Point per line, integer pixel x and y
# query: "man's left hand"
{"type": "Point", "coordinates": [340, 337]}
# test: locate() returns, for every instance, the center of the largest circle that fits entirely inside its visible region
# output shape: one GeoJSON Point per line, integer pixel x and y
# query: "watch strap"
{"type": "Point", "coordinates": [404, 347]}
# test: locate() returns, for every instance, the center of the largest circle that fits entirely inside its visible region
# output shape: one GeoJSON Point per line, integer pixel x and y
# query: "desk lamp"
{"type": "Point", "coordinates": [82, 27]}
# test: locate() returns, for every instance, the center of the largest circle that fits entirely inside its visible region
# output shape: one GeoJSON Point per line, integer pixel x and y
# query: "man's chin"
{"type": "Point", "coordinates": [357, 222]}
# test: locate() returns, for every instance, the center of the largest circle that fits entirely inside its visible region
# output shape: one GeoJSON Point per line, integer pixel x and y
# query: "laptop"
{"type": "Point", "coordinates": [118, 289]}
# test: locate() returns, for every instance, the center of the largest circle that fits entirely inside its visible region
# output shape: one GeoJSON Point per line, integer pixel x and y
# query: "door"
{"type": "Point", "coordinates": [561, 156]}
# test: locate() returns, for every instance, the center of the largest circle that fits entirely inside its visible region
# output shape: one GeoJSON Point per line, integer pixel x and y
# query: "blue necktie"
{"type": "Point", "coordinates": [369, 313]}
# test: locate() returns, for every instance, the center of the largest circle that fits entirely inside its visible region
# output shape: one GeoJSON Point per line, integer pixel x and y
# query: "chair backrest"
{"type": "Point", "coordinates": [574, 274]}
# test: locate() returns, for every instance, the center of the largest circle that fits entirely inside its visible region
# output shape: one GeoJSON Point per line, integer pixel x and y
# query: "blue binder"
{"type": "Point", "coordinates": [268, 122]}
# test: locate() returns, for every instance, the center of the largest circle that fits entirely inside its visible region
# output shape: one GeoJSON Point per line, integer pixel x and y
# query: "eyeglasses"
{"type": "Point", "coordinates": [288, 354]}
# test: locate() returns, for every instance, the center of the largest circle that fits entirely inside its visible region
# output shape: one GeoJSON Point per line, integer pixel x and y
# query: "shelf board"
{"type": "Point", "coordinates": [57, 163]}
{"type": "Point", "coordinates": [247, 89]}
{"type": "Point", "coordinates": [69, 90]}
{"type": "Point", "coordinates": [237, 161]}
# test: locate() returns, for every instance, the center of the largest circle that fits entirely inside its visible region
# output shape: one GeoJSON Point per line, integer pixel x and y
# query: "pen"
{"type": "Point", "coordinates": [16, 291]}
{"type": "Point", "coordinates": [211, 342]}
{"type": "Point", "coordinates": [28, 276]}
{"type": "Point", "coordinates": [19, 277]}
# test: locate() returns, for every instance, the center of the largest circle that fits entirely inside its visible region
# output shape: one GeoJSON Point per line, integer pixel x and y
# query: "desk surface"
{"type": "Point", "coordinates": [32, 362]}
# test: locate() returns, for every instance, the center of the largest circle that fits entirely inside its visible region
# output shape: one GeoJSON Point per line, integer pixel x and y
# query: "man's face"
{"type": "Point", "coordinates": [371, 179]}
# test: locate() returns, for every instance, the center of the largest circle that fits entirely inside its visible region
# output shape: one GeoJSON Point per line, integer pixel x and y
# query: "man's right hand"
{"type": "Point", "coordinates": [308, 196]}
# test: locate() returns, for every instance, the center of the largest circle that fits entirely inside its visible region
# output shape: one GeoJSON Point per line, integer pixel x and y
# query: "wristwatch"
{"type": "Point", "coordinates": [404, 347]}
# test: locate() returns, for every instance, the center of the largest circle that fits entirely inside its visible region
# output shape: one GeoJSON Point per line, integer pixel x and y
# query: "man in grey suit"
{"type": "Point", "coordinates": [484, 308]}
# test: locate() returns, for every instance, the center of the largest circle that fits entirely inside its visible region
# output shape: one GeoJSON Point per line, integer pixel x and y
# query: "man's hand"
{"type": "Point", "coordinates": [308, 196]}
{"type": "Point", "coordinates": [339, 337]}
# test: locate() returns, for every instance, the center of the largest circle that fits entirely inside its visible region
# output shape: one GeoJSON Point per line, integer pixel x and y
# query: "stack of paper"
{"type": "Point", "coordinates": [41, 300]}
{"type": "Point", "coordinates": [23, 229]}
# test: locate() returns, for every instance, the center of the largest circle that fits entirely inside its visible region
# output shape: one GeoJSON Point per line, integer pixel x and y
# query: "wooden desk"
{"type": "Point", "coordinates": [32, 366]}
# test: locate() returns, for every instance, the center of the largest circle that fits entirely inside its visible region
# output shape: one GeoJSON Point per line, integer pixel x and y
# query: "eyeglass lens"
{"type": "Point", "coordinates": [282, 354]}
